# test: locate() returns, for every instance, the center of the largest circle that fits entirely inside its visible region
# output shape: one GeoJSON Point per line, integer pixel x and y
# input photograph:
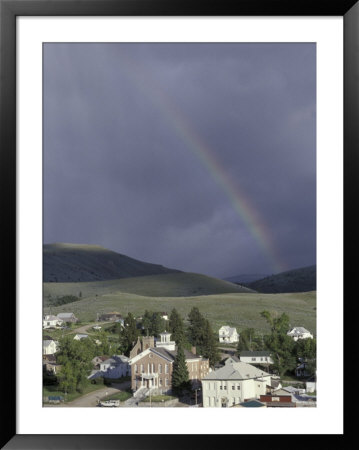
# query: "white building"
{"type": "Point", "coordinates": [78, 337]}
{"type": "Point", "coordinates": [49, 347]}
{"type": "Point", "coordinates": [51, 321]}
{"type": "Point", "coordinates": [257, 357]}
{"type": "Point", "coordinates": [115, 367]}
{"type": "Point", "coordinates": [299, 333]}
{"type": "Point", "coordinates": [233, 384]}
{"type": "Point", "coordinates": [228, 334]}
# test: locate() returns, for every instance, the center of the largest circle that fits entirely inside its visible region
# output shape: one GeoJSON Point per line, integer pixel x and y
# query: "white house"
{"type": "Point", "coordinates": [258, 357]}
{"type": "Point", "coordinates": [232, 384]}
{"type": "Point", "coordinates": [299, 333]}
{"type": "Point", "coordinates": [78, 337]}
{"type": "Point", "coordinates": [115, 367]}
{"type": "Point", "coordinates": [311, 384]}
{"type": "Point", "coordinates": [228, 334]}
{"type": "Point", "coordinates": [51, 321]}
{"type": "Point", "coordinates": [68, 317]}
{"type": "Point", "coordinates": [49, 347]}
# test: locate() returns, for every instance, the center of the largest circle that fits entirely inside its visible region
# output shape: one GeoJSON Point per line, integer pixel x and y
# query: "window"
{"type": "Point", "coordinates": [253, 359]}
{"type": "Point", "coordinates": [142, 370]}
{"type": "Point", "coordinates": [220, 387]}
{"type": "Point", "coordinates": [225, 387]}
{"type": "Point", "coordinates": [166, 382]}
{"type": "Point", "coordinates": [238, 387]}
{"type": "Point", "coordinates": [166, 369]}
{"type": "Point", "coordinates": [135, 368]}
{"type": "Point", "coordinates": [160, 368]}
{"type": "Point", "coordinates": [160, 381]}
{"type": "Point", "coordinates": [261, 359]}
{"type": "Point", "coordinates": [233, 387]}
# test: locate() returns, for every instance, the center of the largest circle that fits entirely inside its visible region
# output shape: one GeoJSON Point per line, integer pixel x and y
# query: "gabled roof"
{"type": "Point", "coordinates": [299, 330]}
{"type": "Point", "coordinates": [228, 330]}
{"type": "Point", "coordinates": [169, 355]}
{"type": "Point", "coordinates": [65, 315]}
{"type": "Point", "coordinates": [236, 371]}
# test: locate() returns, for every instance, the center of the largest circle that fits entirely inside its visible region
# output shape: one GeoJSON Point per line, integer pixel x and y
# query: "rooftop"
{"type": "Point", "coordinates": [236, 371]}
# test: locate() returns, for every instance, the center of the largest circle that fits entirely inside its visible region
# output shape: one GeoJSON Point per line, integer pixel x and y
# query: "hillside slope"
{"type": "Point", "coordinates": [297, 280]}
{"type": "Point", "coordinates": [167, 285]}
{"type": "Point", "coordinates": [66, 263]}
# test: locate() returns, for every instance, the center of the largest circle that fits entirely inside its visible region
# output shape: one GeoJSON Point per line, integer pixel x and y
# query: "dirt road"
{"type": "Point", "coordinates": [90, 400]}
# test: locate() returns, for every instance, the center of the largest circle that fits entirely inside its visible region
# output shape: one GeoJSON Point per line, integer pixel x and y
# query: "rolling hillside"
{"type": "Point", "coordinates": [65, 263]}
{"type": "Point", "coordinates": [169, 285]}
{"type": "Point", "coordinates": [297, 280]}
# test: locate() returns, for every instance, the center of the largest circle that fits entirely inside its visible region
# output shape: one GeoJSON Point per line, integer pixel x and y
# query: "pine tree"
{"type": "Point", "coordinates": [176, 327]}
{"type": "Point", "coordinates": [209, 348]}
{"type": "Point", "coordinates": [157, 324]}
{"type": "Point", "coordinates": [180, 375]}
{"type": "Point", "coordinates": [196, 329]}
{"type": "Point", "coordinates": [128, 334]}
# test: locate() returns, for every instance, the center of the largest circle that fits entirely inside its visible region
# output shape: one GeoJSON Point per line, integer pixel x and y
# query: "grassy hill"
{"type": "Point", "coordinates": [297, 280]}
{"type": "Point", "coordinates": [65, 263]}
{"type": "Point", "coordinates": [241, 310]}
{"type": "Point", "coordinates": [168, 285]}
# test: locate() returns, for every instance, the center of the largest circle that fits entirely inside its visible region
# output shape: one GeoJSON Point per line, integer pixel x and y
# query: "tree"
{"type": "Point", "coordinates": [209, 347]}
{"type": "Point", "coordinates": [146, 322]}
{"type": "Point", "coordinates": [180, 375]}
{"type": "Point", "coordinates": [157, 324]}
{"type": "Point", "coordinates": [197, 327]}
{"type": "Point", "coordinates": [280, 345]}
{"type": "Point", "coordinates": [75, 358]}
{"type": "Point", "coordinates": [128, 334]}
{"type": "Point", "coordinates": [249, 340]}
{"type": "Point", "coordinates": [176, 327]}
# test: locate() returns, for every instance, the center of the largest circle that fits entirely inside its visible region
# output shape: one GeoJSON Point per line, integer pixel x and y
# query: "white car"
{"type": "Point", "coordinates": [110, 403]}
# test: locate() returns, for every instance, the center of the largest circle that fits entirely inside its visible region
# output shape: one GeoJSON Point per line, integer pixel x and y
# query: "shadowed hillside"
{"type": "Point", "coordinates": [297, 280]}
{"type": "Point", "coordinates": [169, 285]}
{"type": "Point", "coordinates": [66, 263]}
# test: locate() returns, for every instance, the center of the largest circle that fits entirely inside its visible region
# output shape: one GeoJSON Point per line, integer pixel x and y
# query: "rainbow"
{"type": "Point", "coordinates": [241, 204]}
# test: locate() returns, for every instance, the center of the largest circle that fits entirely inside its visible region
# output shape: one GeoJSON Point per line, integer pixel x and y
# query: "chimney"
{"type": "Point", "coordinates": [193, 350]}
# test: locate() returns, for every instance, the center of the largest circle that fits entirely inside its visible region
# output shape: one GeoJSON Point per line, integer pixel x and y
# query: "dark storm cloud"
{"type": "Point", "coordinates": [122, 168]}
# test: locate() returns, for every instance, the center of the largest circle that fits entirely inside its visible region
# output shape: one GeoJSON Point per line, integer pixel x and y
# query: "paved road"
{"type": "Point", "coordinates": [90, 400]}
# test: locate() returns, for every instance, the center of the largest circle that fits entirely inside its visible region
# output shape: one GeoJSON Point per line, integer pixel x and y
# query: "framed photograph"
{"type": "Point", "coordinates": [173, 190]}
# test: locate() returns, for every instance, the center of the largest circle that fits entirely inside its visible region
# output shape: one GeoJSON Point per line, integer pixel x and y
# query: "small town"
{"type": "Point", "coordinates": [161, 359]}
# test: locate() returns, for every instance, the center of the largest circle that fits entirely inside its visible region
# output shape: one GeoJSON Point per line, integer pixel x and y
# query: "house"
{"type": "Point", "coordinates": [152, 367]}
{"type": "Point", "coordinates": [49, 346]}
{"type": "Point", "coordinates": [110, 317]}
{"type": "Point", "coordinates": [68, 317]}
{"type": "Point", "coordinates": [302, 370]}
{"type": "Point", "coordinates": [232, 384]}
{"type": "Point", "coordinates": [49, 364]}
{"type": "Point", "coordinates": [114, 367]}
{"type": "Point", "coordinates": [97, 360]}
{"type": "Point", "coordinates": [164, 315]}
{"type": "Point", "coordinates": [278, 398]}
{"type": "Point", "coordinates": [78, 337]}
{"type": "Point", "coordinates": [257, 357]}
{"type": "Point", "coordinates": [228, 334]}
{"type": "Point", "coordinates": [311, 384]}
{"type": "Point", "coordinates": [51, 321]}
{"type": "Point", "coordinates": [299, 333]}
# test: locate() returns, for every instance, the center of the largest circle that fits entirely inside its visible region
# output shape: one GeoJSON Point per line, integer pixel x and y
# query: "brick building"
{"type": "Point", "coordinates": [152, 367]}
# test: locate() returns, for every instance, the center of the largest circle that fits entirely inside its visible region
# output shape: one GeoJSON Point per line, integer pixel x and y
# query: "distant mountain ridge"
{"type": "Point", "coordinates": [65, 263]}
{"type": "Point", "coordinates": [303, 279]}
{"type": "Point", "coordinates": [246, 277]}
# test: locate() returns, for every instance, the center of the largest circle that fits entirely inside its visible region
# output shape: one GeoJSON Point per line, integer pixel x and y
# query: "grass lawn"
{"type": "Point", "coordinates": [122, 396]}
{"type": "Point", "coordinates": [53, 390]}
{"type": "Point", "coordinates": [159, 398]}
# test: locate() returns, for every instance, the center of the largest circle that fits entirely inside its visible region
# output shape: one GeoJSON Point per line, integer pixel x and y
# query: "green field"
{"type": "Point", "coordinates": [241, 310]}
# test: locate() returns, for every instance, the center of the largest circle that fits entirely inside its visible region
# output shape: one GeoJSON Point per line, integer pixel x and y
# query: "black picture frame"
{"type": "Point", "coordinates": [9, 10]}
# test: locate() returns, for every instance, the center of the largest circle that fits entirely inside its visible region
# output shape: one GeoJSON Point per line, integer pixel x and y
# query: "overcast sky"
{"type": "Point", "coordinates": [200, 157]}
